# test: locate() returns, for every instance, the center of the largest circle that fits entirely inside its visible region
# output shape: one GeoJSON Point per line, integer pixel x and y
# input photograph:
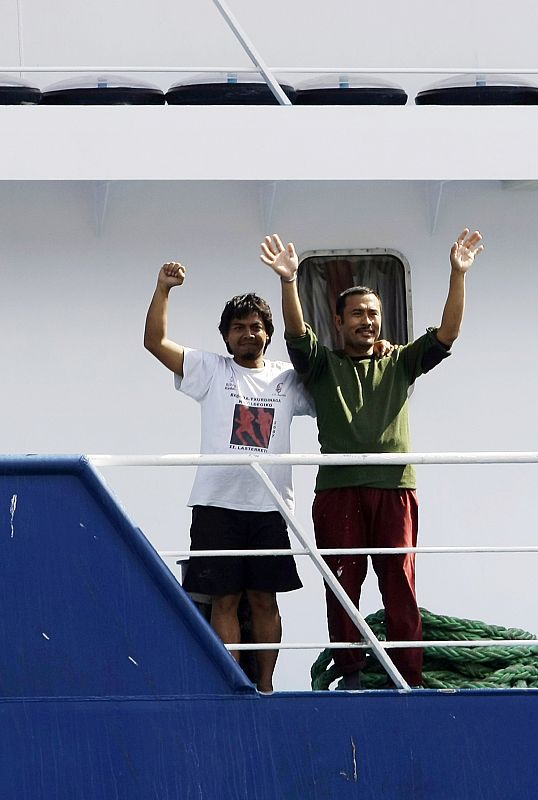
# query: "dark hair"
{"type": "Point", "coordinates": [240, 307]}
{"type": "Point", "coordinates": [360, 290]}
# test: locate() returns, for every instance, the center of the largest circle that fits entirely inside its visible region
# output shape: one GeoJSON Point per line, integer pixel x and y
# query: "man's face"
{"type": "Point", "coordinates": [247, 340]}
{"type": "Point", "coordinates": [360, 324]}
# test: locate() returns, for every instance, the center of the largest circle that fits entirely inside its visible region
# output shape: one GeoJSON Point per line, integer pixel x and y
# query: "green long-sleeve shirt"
{"type": "Point", "coordinates": [361, 405]}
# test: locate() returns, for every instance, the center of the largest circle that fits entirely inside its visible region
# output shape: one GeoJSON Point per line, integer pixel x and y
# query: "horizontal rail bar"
{"type": "Point", "coordinates": [300, 459]}
{"type": "Point", "coordinates": [349, 551]}
{"type": "Point", "coordinates": [290, 70]}
{"type": "Point", "coordinates": [385, 645]}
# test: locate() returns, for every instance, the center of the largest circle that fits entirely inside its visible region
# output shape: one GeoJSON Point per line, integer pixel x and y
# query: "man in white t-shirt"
{"type": "Point", "coordinates": [247, 404]}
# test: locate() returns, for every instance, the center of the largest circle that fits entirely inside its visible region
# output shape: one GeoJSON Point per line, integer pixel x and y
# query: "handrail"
{"type": "Point", "coordinates": [256, 463]}
{"type": "Point", "coordinates": [301, 459]}
{"type": "Point", "coordinates": [153, 69]}
{"type": "Point", "coordinates": [385, 645]}
{"type": "Point", "coordinates": [350, 551]}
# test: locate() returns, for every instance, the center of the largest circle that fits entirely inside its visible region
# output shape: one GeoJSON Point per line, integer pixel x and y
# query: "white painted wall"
{"type": "Point", "coordinates": [268, 143]}
{"type": "Point", "coordinates": [76, 377]}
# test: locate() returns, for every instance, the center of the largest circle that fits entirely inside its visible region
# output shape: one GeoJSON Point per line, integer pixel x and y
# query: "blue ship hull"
{"type": "Point", "coordinates": [113, 686]}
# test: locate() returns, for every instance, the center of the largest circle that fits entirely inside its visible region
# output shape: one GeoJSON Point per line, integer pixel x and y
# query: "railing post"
{"type": "Point", "coordinates": [252, 53]}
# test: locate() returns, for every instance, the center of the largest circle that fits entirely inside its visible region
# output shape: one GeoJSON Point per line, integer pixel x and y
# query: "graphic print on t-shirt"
{"type": "Point", "coordinates": [252, 426]}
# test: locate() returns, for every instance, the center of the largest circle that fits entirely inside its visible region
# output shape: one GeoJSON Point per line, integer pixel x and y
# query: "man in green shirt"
{"type": "Point", "coordinates": [361, 406]}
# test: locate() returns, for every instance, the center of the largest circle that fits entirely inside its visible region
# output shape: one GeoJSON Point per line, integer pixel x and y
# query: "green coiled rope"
{"type": "Point", "coordinates": [451, 667]}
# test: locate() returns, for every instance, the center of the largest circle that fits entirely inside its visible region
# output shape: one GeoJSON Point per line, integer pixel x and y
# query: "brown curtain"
{"type": "Point", "coordinates": [322, 278]}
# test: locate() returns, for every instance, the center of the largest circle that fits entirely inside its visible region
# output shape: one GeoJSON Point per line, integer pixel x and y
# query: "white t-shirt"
{"type": "Point", "coordinates": [242, 411]}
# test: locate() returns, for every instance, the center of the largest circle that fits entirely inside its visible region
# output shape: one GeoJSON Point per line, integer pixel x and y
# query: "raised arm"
{"type": "Point", "coordinates": [462, 255]}
{"type": "Point", "coordinates": [284, 261]}
{"type": "Point", "coordinates": [155, 334]}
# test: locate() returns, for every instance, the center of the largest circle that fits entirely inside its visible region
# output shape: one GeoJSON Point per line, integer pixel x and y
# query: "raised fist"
{"type": "Point", "coordinates": [172, 274]}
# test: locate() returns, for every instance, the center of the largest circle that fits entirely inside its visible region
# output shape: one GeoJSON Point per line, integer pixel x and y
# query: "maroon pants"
{"type": "Point", "coordinates": [364, 517]}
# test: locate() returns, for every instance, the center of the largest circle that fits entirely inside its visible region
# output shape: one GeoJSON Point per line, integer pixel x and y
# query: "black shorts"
{"type": "Point", "coordinates": [226, 529]}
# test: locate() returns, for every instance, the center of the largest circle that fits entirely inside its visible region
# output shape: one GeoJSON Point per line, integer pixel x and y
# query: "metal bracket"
{"type": "Point", "coordinates": [101, 193]}
{"type": "Point", "coordinates": [434, 191]}
{"type": "Point", "coordinates": [268, 191]}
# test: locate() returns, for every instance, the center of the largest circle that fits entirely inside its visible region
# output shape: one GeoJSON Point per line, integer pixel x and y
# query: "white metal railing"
{"type": "Point", "coordinates": [299, 459]}
{"type": "Point", "coordinates": [345, 70]}
{"type": "Point", "coordinates": [316, 555]}
{"type": "Point", "coordinates": [351, 551]}
{"type": "Point", "coordinates": [386, 645]}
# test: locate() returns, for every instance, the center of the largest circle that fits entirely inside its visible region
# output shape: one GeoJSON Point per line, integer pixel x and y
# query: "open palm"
{"type": "Point", "coordinates": [465, 249]}
{"type": "Point", "coordinates": [283, 260]}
